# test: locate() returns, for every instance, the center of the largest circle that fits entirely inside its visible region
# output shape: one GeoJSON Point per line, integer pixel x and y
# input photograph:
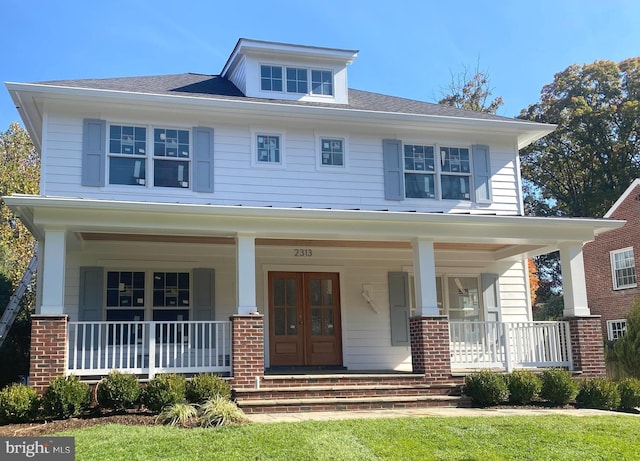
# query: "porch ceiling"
{"type": "Point", "coordinates": [505, 235]}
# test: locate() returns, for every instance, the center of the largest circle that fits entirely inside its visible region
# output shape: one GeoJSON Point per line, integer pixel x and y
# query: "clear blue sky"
{"type": "Point", "coordinates": [407, 48]}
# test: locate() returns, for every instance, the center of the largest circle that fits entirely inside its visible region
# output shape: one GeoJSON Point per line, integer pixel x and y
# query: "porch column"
{"type": "Point", "coordinates": [48, 350]}
{"type": "Point", "coordinates": [587, 343]}
{"type": "Point", "coordinates": [430, 348]}
{"type": "Point", "coordinates": [574, 286]}
{"type": "Point", "coordinates": [52, 278]}
{"type": "Point", "coordinates": [247, 350]}
{"type": "Point", "coordinates": [246, 273]}
{"type": "Point", "coordinates": [424, 270]}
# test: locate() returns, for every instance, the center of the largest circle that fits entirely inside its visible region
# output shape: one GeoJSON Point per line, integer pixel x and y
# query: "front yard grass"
{"type": "Point", "coordinates": [465, 438]}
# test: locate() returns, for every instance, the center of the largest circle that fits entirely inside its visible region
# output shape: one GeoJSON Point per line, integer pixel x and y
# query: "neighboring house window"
{"type": "Point", "coordinates": [616, 329]}
{"type": "Point", "coordinates": [270, 78]}
{"type": "Point", "coordinates": [268, 148]}
{"type": "Point", "coordinates": [623, 269]}
{"type": "Point", "coordinates": [297, 80]}
{"type": "Point", "coordinates": [419, 165]}
{"type": "Point", "coordinates": [332, 152]}
{"type": "Point", "coordinates": [171, 151]}
{"type": "Point", "coordinates": [451, 170]}
{"type": "Point", "coordinates": [455, 179]}
{"type": "Point", "coordinates": [127, 154]}
{"type": "Point", "coordinates": [322, 82]}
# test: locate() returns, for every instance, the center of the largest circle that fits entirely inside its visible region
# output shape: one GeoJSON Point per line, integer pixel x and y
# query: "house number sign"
{"type": "Point", "coordinates": [303, 252]}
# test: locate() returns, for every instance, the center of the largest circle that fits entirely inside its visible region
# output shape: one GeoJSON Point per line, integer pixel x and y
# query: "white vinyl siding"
{"type": "Point", "coordinates": [298, 181]}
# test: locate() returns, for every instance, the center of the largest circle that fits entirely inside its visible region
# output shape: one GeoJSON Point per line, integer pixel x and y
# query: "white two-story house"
{"type": "Point", "coordinates": [272, 218]}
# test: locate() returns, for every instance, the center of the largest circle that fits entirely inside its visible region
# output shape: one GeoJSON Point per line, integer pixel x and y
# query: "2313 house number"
{"type": "Point", "coordinates": [303, 252]}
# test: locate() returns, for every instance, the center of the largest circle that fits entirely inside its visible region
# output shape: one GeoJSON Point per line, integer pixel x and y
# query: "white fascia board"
{"type": "Point", "coordinates": [623, 197]}
{"type": "Point", "coordinates": [144, 217]}
{"type": "Point", "coordinates": [525, 131]}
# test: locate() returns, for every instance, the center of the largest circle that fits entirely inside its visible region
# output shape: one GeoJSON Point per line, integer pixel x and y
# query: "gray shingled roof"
{"type": "Point", "coordinates": [217, 87]}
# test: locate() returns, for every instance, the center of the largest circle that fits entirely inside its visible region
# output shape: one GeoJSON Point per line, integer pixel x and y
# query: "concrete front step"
{"type": "Point", "coordinates": [349, 403]}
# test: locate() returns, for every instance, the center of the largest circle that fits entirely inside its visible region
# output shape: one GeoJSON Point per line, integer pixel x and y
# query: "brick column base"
{"type": "Point", "coordinates": [587, 346]}
{"type": "Point", "coordinates": [247, 349]}
{"type": "Point", "coordinates": [430, 347]}
{"type": "Point", "coordinates": [48, 350]}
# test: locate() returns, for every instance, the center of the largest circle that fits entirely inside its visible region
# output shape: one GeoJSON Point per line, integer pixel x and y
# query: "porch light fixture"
{"type": "Point", "coordinates": [366, 294]}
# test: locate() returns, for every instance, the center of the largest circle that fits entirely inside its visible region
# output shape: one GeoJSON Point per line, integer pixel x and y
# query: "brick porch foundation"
{"type": "Point", "coordinates": [430, 348]}
{"type": "Point", "coordinates": [248, 350]}
{"type": "Point", "coordinates": [587, 346]}
{"type": "Point", "coordinates": [48, 350]}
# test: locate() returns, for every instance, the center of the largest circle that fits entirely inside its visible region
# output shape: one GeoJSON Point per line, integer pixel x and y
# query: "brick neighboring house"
{"type": "Point", "coordinates": [611, 265]}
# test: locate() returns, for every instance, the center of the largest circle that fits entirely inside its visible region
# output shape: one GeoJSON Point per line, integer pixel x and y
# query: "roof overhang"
{"type": "Point", "coordinates": [29, 99]}
{"type": "Point", "coordinates": [525, 235]}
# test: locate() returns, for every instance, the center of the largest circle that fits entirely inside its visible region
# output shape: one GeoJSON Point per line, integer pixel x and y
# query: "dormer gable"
{"type": "Point", "coordinates": [289, 72]}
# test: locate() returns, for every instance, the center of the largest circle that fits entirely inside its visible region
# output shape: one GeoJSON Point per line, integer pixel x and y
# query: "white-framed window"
{"type": "Point", "coordinates": [127, 151]}
{"type": "Point", "coordinates": [270, 78]}
{"type": "Point", "coordinates": [171, 157]}
{"type": "Point", "coordinates": [132, 163]}
{"type": "Point", "coordinates": [332, 151]}
{"type": "Point", "coordinates": [297, 80]}
{"type": "Point", "coordinates": [268, 148]}
{"type": "Point", "coordinates": [623, 269]}
{"type": "Point", "coordinates": [322, 82]}
{"type": "Point", "coordinates": [616, 328]}
{"type": "Point", "coordinates": [436, 172]}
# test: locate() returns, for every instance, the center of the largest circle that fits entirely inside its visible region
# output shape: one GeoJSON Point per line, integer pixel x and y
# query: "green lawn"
{"type": "Point", "coordinates": [488, 438]}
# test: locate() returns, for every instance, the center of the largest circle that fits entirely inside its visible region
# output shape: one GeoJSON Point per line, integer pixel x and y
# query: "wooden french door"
{"type": "Point", "coordinates": [304, 319]}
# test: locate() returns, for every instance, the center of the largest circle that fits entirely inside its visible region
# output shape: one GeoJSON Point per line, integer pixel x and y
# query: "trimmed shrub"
{"type": "Point", "coordinates": [220, 411]}
{"type": "Point", "coordinates": [598, 393]}
{"type": "Point", "coordinates": [18, 404]}
{"type": "Point", "coordinates": [206, 386]}
{"type": "Point", "coordinates": [523, 386]}
{"type": "Point", "coordinates": [178, 414]}
{"type": "Point", "coordinates": [629, 393]}
{"type": "Point", "coordinates": [164, 390]}
{"type": "Point", "coordinates": [66, 397]}
{"type": "Point", "coordinates": [485, 388]}
{"type": "Point", "coordinates": [118, 391]}
{"type": "Point", "coordinates": [558, 386]}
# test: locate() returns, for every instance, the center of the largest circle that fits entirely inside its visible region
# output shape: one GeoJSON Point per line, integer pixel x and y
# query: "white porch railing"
{"type": "Point", "coordinates": [509, 345]}
{"type": "Point", "coordinates": [148, 348]}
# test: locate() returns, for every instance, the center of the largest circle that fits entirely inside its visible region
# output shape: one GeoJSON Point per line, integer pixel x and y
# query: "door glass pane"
{"type": "Point", "coordinates": [315, 292]}
{"type": "Point", "coordinates": [327, 322]}
{"type": "Point", "coordinates": [292, 328]}
{"type": "Point", "coordinates": [291, 297]}
{"type": "Point", "coordinates": [316, 322]}
{"type": "Point", "coordinates": [327, 295]}
{"type": "Point", "coordinates": [278, 292]}
{"type": "Point", "coordinates": [279, 322]}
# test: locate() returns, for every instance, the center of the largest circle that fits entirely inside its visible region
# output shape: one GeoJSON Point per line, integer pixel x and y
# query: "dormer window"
{"type": "Point", "coordinates": [297, 81]}
{"type": "Point", "coordinates": [271, 78]}
{"type": "Point", "coordinates": [322, 82]}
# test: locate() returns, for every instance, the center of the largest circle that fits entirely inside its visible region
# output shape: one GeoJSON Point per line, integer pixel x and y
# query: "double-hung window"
{"type": "Point", "coordinates": [331, 152]}
{"type": "Point", "coordinates": [125, 295]}
{"type": "Point", "coordinates": [127, 154]}
{"type": "Point", "coordinates": [616, 329]}
{"type": "Point", "coordinates": [268, 148]}
{"type": "Point", "coordinates": [623, 269]}
{"type": "Point", "coordinates": [443, 173]}
{"type": "Point", "coordinates": [171, 155]}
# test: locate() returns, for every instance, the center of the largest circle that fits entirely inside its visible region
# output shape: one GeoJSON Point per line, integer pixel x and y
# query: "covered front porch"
{"type": "Point", "coordinates": [434, 295]}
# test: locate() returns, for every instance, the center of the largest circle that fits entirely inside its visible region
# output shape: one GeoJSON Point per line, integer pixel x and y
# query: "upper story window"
{"type": "Point", "coordinates": [127, 153]}
{"type": "Point", "coordinates": [268, 147]}
{"type": "Point", "coordinates": [271, 78]}
{"type": "Point", "coordinates": [446, 175]}
{"type": "Point", "coordinates": [297, 80]}
{"type": "Point", "coordinates": [171, 157]}
{"type": "Point", "coordinates": [623, 269]}
{"type": "Point", "coordinates": [129, 157]}
{"type": "Point", "coordinates": [331, 152]}
{"type": "Point", "coordinates": [322, 82]}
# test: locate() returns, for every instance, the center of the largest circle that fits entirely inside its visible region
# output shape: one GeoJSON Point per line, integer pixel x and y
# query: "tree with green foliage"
{"type": "Point", "coordinates": [594, 154]}
{"type": "Point", "coordinates": [471, 91]}
{"type": "Point", "coordinates": [627, 348]}
{"type": "Point", "coordinates": [591, 158]}
{"type": "Point", "coordinates": [19, 174]}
